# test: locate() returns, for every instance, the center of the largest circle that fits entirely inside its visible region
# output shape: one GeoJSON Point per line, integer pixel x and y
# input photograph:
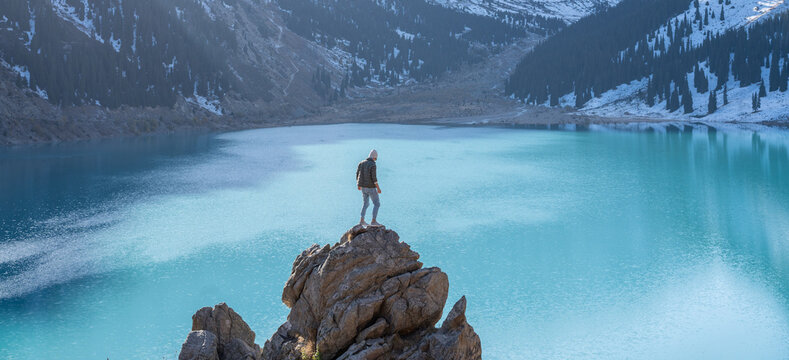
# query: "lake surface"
{"type": "Point", "coordinates": [568, 245]}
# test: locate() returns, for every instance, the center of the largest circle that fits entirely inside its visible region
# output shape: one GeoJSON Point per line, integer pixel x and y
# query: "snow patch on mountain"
{"type": "Point", "coordinates": [738, 14]}
{"type": "Point", "coordinates": [568, 10]}
{"type": "Point", "coordinates": [171, 66]}
{"type": "Point", "coordinates": [32, 32]}
{"type": "Point", "coordinates": [627, 99]}
{"type": "Point", "coordinates": [21, 70]}
{"type": "Point", "coordinates": [765, 8]}
{"type": "Point", "coordinates": [42, 93]}
{"type": "Point", "coordinates": [208, 10]}
{"type": "Point", "coordinates": [116, 43]}
{"type": "Point", "coordinates": [84, 23]}
{"type": "Point", "coordinates": [404, 35]}
{"type": "Point", "coordinates": [212, 106]}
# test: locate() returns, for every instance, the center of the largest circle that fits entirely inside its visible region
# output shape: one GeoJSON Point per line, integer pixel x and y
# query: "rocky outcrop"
{"type": "Point", "coordinates": [365, 297]}
{"type": "Point", "coordinates": [219, 334]}
{"type": "Point", "coordinates": [199, 345]}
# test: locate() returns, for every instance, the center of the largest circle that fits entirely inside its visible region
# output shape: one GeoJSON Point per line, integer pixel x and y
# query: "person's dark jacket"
{"type": "Point", "coordinates": [365, 174]}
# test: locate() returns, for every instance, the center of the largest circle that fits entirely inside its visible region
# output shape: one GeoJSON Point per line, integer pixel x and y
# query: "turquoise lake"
{"type": "Point", "coordinates": [568, 245]}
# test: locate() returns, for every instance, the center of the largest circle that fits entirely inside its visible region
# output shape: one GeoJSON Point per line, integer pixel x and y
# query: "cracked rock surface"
{"type": "Point", "coordinates": [365, 297]}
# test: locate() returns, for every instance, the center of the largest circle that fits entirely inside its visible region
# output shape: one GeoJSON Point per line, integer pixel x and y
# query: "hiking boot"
{"type": "Point", "coordinates": [375, 223]}
{"type": "Point", "coordinates": [363, 223]}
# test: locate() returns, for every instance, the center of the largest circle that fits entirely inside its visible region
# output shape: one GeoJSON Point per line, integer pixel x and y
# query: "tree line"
{"type": "Point", "coordinates": [392, 40]}
{"type": "Point", "coordinates": [586, 59]}
{"type": "Point", "coordinates": [133, 52]}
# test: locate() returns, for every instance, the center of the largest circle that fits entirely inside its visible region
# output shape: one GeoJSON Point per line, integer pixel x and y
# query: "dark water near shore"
{"type": "Point", "coordinates": [568, 245]}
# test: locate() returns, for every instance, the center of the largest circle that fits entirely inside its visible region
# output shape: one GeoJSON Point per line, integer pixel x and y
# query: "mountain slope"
{"type": "Point", "coordinates": [73, 69]}
{"type": "Point", "coordinates": [394, 42]}
{"type": "Point", "coordinates": [679, 68]}
{"type": "Point", "coordinates": [139, 53]}
{"type": "Point", "coordinates": [103, 67]}
{"type": "Point", "coordinates": [110, 53]}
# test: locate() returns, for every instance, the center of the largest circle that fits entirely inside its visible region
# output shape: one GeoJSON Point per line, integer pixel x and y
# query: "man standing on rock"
{"type": "Point", "coordinates": [367, 182]}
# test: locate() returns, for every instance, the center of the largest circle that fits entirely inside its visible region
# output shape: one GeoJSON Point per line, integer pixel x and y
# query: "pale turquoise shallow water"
{"type": "Point", "coordinates": [568, 245]}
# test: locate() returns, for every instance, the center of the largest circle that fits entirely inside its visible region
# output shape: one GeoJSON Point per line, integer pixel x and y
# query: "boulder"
{"type": "Point", "coordinates": [232, 337]}
{"type": "Point", "coordinates": [199, 345]}
{"type": "Point", "coordinates": [455, 339]}
{"type": "Point", "coordinates": [368, 297]}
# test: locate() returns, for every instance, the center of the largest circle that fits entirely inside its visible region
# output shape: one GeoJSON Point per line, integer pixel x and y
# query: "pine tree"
{"type": "Point", "coordinates": [687, 99]}
{"type": "Point", "coordinates": [20, 81]}
{"type": "Point", "coordinates": [579, 98]}
{"type": "Point", "coordinates": [667, 95]}
{"type": "Point", "coordinates": [723, 15]}
{"type": "Point", "coordinates": [748, 48]}
{"type": "Point", "coordinates": [706, 16]}
{"type": "Point", "coordinates": [344, 85]}
{"type": "Point", "coordinates": [705, 82]}
{"type": "Point", "coordinates": [674, 103]}
{"type": "Point", "coordinates": [712, 105]}
{"type": "Point", "coordinates": [762, 90]}
{"type": "Point", "coordinates": [756, 102]}
{"type": "Point", "coordinates": [650, 100]}
{"type": "Point", "coordinates": [696, 77]}
{"type": "Point", "coordinates": [784, 77]}
{"type": "Point", "coordinates": [670, 30]}
{"type": "Point", "coordinates": [775, 72]}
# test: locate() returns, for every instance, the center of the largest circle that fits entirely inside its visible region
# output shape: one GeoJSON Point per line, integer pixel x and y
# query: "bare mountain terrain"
{"type": "Point", "coordinates": [470, 96]}
{"type": "Point", "coordinates": [81, 69]}
{"type": "Point", "coordinates": [276, 57]}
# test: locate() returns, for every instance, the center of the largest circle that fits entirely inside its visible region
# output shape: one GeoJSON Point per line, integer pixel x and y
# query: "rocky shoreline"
{"type": "Point", "coordinates": [365, 297]}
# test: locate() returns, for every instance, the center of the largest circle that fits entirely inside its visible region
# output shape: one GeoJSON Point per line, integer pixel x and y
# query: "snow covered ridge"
{"type": "Point", "coordinates": [25, 74]}
{"type": "Point", "coordinates": [737, 14]}
{"type": "Point", "coordinates": [567, 10]}
{"type": "Point", "coordinates": [715, 18]}
{"type": "Point", "coordinates": [764, 8]}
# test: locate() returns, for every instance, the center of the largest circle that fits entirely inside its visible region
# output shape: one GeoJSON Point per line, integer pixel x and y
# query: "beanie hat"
{"type": "Point", "coordinates": [373, 154]}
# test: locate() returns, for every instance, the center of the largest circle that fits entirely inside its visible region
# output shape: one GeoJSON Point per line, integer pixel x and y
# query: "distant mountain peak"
{"type": "Point", "coordinates": [568, 10]}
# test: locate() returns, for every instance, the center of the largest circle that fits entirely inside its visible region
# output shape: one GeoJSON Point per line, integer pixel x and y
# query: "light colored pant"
{"type": "Point", "coordinates": [367, 194]}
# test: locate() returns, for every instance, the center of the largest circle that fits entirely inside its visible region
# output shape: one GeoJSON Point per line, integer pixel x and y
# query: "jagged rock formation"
{"type": "Point", "coordinates": [365, 297]}
{"type": "Point", "coordinates": [368, 297]}
{"type": "Point", "coordinates": [219, 334]}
